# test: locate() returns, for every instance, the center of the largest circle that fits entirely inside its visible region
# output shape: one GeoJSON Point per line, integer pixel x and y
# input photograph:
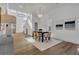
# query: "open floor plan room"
{"type": "Point", "coordinates": [39, 29]}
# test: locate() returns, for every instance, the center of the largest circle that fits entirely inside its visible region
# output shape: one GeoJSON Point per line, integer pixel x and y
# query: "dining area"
{"type": "Point", "coordinates": [43, 40]}
{"type": "Point", "coordinates": [41, 36]}
{"type": "Point", "coordinates": [41, 33]}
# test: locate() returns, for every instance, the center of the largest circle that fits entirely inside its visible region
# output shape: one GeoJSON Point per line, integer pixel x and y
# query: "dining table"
{"type": "Point", "coordinates": [42, 35]}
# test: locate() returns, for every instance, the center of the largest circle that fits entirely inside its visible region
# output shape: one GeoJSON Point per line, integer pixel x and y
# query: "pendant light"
{"type": "Point", "coordinates": [40, 14]}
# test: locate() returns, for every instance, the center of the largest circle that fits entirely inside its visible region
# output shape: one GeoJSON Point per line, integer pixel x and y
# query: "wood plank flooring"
{"type": "Point", "coordinates": [23, 47]}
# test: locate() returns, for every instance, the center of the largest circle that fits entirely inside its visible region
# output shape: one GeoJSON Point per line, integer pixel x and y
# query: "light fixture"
{"type": "Point", "coordinates": [40, 14]}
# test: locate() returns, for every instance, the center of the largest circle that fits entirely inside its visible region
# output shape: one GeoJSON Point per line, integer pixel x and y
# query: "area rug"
{"type": "Point", "coordinates": [43, 45]}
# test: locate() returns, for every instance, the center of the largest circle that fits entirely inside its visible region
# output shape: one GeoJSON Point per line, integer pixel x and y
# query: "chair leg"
{"type": "Point", "coordinates": [46, 40]}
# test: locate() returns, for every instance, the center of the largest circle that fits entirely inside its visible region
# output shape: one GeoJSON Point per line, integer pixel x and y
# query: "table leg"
{"type": "Point", "coordinates": [42, 37]}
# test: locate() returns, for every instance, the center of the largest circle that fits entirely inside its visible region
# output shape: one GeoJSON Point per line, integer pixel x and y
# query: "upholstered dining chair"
{"type": "Point", "coordinates": [49, 35]}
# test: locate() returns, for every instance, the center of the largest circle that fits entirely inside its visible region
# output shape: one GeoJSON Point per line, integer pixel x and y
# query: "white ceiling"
{"type": "Point", "coordinates": [34, 8]}
{"type": "Point", "coordinates": [31, 7]}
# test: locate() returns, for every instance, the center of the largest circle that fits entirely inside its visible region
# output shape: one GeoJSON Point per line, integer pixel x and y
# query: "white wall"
{"type": "Point", "coordinates": [61, 15]}
{"type": "Point", "coordinates": [19, 26]}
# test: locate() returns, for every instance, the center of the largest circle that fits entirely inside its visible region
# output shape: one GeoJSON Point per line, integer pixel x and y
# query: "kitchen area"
{"type": "Point", "coordinates": [6, 32]}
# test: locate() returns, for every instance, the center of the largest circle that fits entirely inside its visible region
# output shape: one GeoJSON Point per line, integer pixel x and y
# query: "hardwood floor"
{"type": "Point", "coordinates": [22, 47]}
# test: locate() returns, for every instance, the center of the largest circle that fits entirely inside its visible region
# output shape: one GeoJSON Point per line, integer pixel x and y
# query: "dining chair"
{"type": "Point", "coordinates": [49, 35]}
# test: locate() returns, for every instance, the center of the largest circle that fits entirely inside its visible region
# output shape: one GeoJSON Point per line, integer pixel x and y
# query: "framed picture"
{"type": "Point", "coordinates": [59, 26]}
{"type": "Point", "coordinates": [70, 25]}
